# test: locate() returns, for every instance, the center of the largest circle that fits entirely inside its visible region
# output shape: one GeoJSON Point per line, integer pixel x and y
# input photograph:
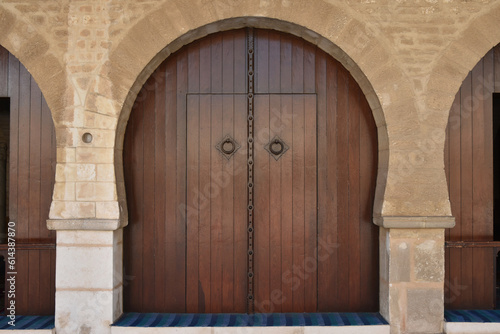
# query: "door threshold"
{"type": "Point", "coordinates": [28, 324]}
{"type": "Point", "coordinates": [345, 323]}
{"type": "Point", "coordinates": [472, 321]}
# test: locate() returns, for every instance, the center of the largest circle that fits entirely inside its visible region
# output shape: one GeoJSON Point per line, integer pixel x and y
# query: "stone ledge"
{"type": "Point", "coordinates": [84, 224]}
{"type": "Point", "coordinates": [415, 221]}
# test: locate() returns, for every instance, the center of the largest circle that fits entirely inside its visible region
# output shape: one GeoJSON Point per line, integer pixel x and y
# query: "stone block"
{"type": "Point", "coordinates": [100, 191]}
{"type": "Point", "coordinates": [65, 172]}
{"type": "Point", "coordinates": [94, 155]}
{"type": "Point", "coordinates": [71, 210]}
{"type": "Point", "coordinates": [107, 210]}
{"type": "Point", "coordinates": [86, 172]}
{"type": "Point", "coordinates": [425, 311]}
{"type": "Point", "coordinates": [400, 264]}
{"type": "Point", "coordinates": [66, 154]}
{"type": "Point", "coordinates": [85, 267]}
{"type": "Point", "coordinates": [84, 311]}
{"type": "Point", "coordinates": [429, 261]}
{"type": "Point", "coordinates": [64, 191]}
{"type": "Point", "coordinates": [106, 173]}
{"type": "Point", "coordinates": [84, 238]}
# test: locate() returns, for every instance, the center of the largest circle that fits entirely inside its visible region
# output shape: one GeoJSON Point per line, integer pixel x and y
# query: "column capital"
{"type": "Point", "coordinates": [414, 221]}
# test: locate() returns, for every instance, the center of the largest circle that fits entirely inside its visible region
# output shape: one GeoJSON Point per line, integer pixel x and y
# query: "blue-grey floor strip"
{"type": "Point", "coordinates": [28, 322]}
{"type": "Point", "coordinates": [248, 320]}
{"type": "Point", "coordinates": [472, 315]}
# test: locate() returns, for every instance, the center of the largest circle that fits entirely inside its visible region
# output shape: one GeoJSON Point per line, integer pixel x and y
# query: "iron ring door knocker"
{"type": "Point", "coordinates": [272, 146]}
{"type": "Point", "coordinates": [224, 146]}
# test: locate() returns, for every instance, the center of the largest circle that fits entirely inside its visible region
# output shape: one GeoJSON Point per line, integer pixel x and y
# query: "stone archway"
{"type": "Point", "coordinates": [186, 242]}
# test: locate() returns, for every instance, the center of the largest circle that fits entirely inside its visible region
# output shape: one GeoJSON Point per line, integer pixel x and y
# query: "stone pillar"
{"type": "Point", "coordinates": [89, 279]}
{"type": "Point", "coordinates": [412, 273]}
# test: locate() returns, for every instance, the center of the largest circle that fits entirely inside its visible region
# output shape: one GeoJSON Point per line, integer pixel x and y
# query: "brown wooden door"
{"type": "Point", "coordinates": [31, 173]}
{"type": "Point", "coordinates": [209, 228]}
{"type": "Point", "coordinates": [470, 276]}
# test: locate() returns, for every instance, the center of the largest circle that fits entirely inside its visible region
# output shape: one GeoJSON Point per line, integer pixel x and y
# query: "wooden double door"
{"type": "Point", "coordinates": [250, 161]}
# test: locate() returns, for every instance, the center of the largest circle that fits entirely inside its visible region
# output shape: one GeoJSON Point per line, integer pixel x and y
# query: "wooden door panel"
{"type": "Point", "coordinates": [216, 218]}
{"type": "Point", "coordinates": [31, 175]}
{"type": "Point", "coordinates": [293, 119]}
{"type": "Point", "coordinates": [469, 282]}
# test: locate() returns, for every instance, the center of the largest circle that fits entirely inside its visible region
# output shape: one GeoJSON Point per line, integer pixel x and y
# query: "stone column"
{"type": "Point", "coordinates": [89, 284]}
{"type": "Point", "coordinates": [412, 273]}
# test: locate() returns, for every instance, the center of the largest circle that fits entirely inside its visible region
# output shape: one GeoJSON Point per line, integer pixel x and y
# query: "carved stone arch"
{"type": "Point", "coordinates": [34, 51]}
{"type": "Point", "coordinates": [132, 69]}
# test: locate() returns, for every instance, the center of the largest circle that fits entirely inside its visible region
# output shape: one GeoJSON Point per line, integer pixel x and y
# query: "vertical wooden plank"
{"type": "Point", "coordinates": [275, 192]}
{"type": "Point", "coordinates": [228, 62]}
{"type": "Point", "coordinates": [240, 205]}
{"type": "Point", "coordinates": [216, 65]}
{"type": "Point", "coordinates": [24, 154]}
{"type": "Point", "coordinates": [180, 174]}
{"type": "Point", "coordinates": [133, 163]}
{"type": "Point", "coordinates": [47, 172]}
{"type": "Point", "coordinates": [330, 165]}
{"type": "Point", "coordinates": [489, 259]}
{"type": "Point", "coordinates": [274, 62]}
{"type": "Point", "coordinates": [309, 68]}
{"type": "Point", "coordinates": [205, 65]}
{"type": "Point", "coordinates": [368, 231]}
{"type": "Point", "coordinates": [192, 212]}
{"type": "Point", "coordinates": [479, 175]}
{"type": "Point", "coordinates": [159, 196]}
{"type": "Point", "coordinates": [310, 204]}
{"type": "Point", "coordinates": [343, 186]}
{"type": "Point", "coordinates": [46, 289]}
{"type": "Point", "coordinates": [354, 200]}
{"type": "Point", "coordinates": [47, 269]}
{"type": "Point", "coordinates": [224, 180]}
{"type": "Point", "coordinates": [171, 281]}
{"type": "Point", "coordinates": [205, 210]}
{"type": "Point", "coordinates": [149, 186]}
{"type": "Point", "coordinates": [324, 267]}
{"type": "Point", "coordinates": [23, 283]}
{"type": "Point", "coordinates": [297, 66]}
{"type": "Point", "coordinates": [240, 66]}
{"type": "Point", "coordinates": [466, 160]}
{"type": "Point", "coordinates": [4, 72]}
{"type": "Point", "coordinates": [289, 280]}
{"type": "Point", "coordinates": [262, 168]}
{"type": "Point", "coordinates": [261, 62]}
{"type": "Point", "coordinates": [496, 55]}
{"type": "Point", "coordinates": [14, 85]}
{"type": "Point", "coordinates": [192, 179]}
{"type": "Point", "coordinates": [298, 164]}
{"type": "Point", "coordinates": [34, 224]}
{"type": "Point", "coordinates": [455, 255]}
{"type": "Point", "coordinates": [286, 64]}
{"type": "Point", "coordinates": [217, 207]}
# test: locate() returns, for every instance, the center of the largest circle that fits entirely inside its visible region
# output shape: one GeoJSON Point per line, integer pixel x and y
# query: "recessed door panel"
{"type": "Point", "coordinates": [285, 203]}
{"type": "Point", "coordinates": [216, 203]}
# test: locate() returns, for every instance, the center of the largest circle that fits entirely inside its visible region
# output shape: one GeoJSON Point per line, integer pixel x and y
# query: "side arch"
{"type": "Point", "coordinates": [34, 51]}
